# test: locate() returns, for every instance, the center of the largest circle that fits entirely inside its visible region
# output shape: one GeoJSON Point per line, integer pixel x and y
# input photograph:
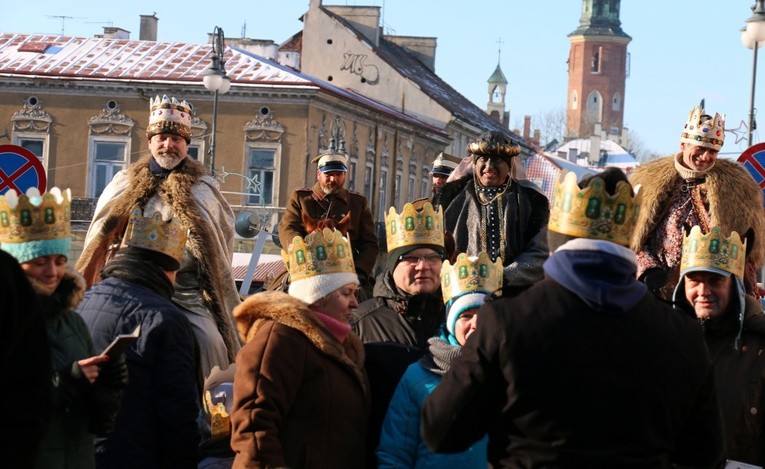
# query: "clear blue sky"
{"type": "Point", "coordinates": [681, 51]}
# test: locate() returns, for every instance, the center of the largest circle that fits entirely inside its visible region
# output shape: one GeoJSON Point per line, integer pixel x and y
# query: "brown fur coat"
{"type": "Point", "coordinates": [193, 198]}
{"type": "Point", "coordinates": [735, 200]}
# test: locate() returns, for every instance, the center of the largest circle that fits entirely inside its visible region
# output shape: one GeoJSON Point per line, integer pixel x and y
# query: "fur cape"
{"type": "Point", "coordinates": [188, 191]}
{"type": "Point", "coordinates": [290, 311]}
{"type": "Point", "coordinates": [735, 201]}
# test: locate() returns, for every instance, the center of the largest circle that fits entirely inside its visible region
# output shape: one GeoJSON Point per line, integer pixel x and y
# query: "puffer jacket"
{"type": "Point", "coordinates": [300, 397]}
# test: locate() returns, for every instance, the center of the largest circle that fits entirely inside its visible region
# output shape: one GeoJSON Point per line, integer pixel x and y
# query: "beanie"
{"type": "Point", "coordinates": [311, 289]}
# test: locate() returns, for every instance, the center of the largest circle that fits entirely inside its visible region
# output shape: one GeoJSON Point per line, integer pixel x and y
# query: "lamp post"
{"type": "Point", "coordinates": [752, 38]}
{"type": "Point", "coordinates": [216, 80]}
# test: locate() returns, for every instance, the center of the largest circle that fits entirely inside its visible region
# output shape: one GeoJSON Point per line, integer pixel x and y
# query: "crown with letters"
{"type": "Point", "coordinates": [704, 130]}
{"type": "Point", "coordinates": [168, 115]}
{"type": "Point", "coordinates": [412, 226]}
{"type": "Point", "coordinates": [320, 252]}
{"type": "Point", "coordinates": [35, 217]}
{"type": "Point", "coordinates": [593, 213]}
{"type": "Point", "coordinates": [155, 234]}
{"type": "Point", "coordinates": [713, 250]}
{"type": "Point", "coordinates": [471, 275]}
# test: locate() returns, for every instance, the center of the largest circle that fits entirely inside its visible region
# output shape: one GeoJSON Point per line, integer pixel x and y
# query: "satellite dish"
{"type": "Point", "coordinates": [275, 235]}
{"type": "Point", "coordinates": [246, 225]}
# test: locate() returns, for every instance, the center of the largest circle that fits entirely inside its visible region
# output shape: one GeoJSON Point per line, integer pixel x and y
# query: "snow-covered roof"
{"type": "Point", "coordinates": [616, 155]}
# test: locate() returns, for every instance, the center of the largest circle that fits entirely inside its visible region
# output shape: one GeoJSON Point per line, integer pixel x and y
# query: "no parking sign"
{"type": "Point", "coordinates": [753, 160]}
{"type": "Point", "coordinates": [20, 169]}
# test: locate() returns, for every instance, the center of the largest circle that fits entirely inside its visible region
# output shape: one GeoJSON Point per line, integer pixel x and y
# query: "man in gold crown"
{"type": "Point", "coordinates": [169, 182]}
{"type": "Point", "coordinates": [492, 211]}
{"type": "Point", "coordinates": [585, 368]}
{"type": "Point", "coordinates": [711, 288]}
{"type": "Point", "coordinates": [407, 307]}
{"type": "Point", "coordinates": [157, 421]}
{"type": "Point", "coordinates": [329, 202]}
{"type": "Point", "coordinates": [694, 187]}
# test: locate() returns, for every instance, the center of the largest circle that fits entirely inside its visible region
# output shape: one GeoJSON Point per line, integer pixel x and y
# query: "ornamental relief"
{"type": "Point", "coordinates": [31, 118]}
{"type": "Point", "coordinates": [111, 121]}
{"type": "Point", "coordinates": [263, 129]}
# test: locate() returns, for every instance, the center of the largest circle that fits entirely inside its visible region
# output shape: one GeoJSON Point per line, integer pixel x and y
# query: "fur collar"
{"type": "Point", "coordinates": [733, 205]}
{"type": "Point", "coordinates": [67, 296]}
{"type": "Point", "coordinates": [280, 307]}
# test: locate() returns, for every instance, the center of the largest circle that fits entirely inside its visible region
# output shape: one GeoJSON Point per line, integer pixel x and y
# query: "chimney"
{"type": "Point", "coordinates": [112, 32]}
{"type": "Point", "coordinates": [424, 48]}
{"type": "Point", "coordinates": [148, 27]}
{"type": "Point", "coordinates": [363, 19]}
{"type": "Point", "coordinates": [526, 127]}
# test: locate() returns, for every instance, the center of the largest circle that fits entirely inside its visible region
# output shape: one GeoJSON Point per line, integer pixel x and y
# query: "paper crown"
{"type": "Point", "coordinates": [168, 115]}
{"type": "Point", "coordinates": [220, 420]}
{"type": "Point", "coordinates": [412, 226]}
{"type": "Point", "coordinates": [320, 252]}
{"type": "Point", "coordinates": [704, 130]}
{"type": "Point", "coordinates": [32, 217]}
{"type": "Point", "coordinates": [444, 164]}
{"type": "Point", "coordinates": [713, 252]}
{"type": "Point", "coordinates": [494, 143]}
{"type": "Point", "coordinates": [155, 234]}
{"type": "Point", "coordinates": [593, 213]}
{"type": "Point", "coordinates": [470, 275]}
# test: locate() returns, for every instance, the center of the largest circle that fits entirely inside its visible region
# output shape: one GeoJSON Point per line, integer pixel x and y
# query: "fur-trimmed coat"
{"type": "Point", "coordinates": [733, 197]}
{"type": "Point", "coordinates": [193, 197]}
{"type": "Point", "coordinates": [301, 397]}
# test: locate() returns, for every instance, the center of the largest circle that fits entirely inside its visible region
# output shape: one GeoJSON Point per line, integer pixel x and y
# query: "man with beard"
{"type": "Point", "coordinates": [328, 200]}
{"type": "Point", "coordinates": [491, 211]}
{"type": "Point", "coordinates": [443, 166]}
{"type": "Point", "coordinates": [168, 182]}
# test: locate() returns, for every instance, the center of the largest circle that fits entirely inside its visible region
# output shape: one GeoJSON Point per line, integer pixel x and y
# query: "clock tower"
{"type": "Point", "coordinates": [597, 71]}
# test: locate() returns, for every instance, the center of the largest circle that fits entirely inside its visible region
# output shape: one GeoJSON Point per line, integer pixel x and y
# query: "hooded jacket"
{"type": "Point", "coordinates": [737, 345]}
{"type": "Point", "coordinates": [301, 397]}
{"type": "Point", "coordinates": [562, 377]}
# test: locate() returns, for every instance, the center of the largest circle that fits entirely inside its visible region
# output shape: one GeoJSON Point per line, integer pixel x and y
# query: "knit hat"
{"type": "Point", "coordinates": [33, 226]}
{"type": "Point", "coordinates": [460, 304]}
{"type": "Point", "coordinates": [169, 116]}
{"type": "Point", "coordinates": [319, 264]}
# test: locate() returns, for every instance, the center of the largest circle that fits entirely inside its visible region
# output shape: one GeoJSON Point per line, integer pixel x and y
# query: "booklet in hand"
{"type": "Point", "coordinates": [121, 343]}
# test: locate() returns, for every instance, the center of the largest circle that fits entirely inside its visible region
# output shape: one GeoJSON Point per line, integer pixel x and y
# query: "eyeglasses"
{"type": "Point", "coordinates": [411, 260]}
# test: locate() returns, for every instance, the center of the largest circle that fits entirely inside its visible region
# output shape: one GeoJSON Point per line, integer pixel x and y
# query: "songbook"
{"type": "Point", "coordinates": [121, 343]}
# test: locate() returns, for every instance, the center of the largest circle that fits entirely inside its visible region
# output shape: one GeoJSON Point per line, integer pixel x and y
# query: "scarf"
{"type": "Point", "coordinates": [440, 355]}
{"type": "Point", "coordinates": [134, 270]}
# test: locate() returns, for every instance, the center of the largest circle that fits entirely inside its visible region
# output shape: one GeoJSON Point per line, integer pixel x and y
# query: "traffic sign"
{"type": "Point", "coordinates": [753, 159]}
{"type": "Point", "coordinates": [20, 169]}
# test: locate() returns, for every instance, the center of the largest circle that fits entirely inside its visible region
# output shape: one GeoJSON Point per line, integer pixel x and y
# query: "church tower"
{"type": "Point", "coordinates": [597, 71]}
{"type": "Point", "coordinates": [497, 91]}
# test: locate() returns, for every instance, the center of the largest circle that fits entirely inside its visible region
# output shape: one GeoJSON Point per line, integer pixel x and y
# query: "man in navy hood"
{"type": "Point", "coordinates": [586, 368]}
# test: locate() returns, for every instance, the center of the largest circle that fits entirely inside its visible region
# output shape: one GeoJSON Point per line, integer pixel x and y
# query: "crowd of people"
{"type": "Point", "coordinates": [617, 325]}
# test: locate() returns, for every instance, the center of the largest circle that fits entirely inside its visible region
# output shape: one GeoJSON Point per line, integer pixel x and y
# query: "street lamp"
{"type": "Point", "coordinates": [752, 38]}
{"type": "Point", "coordinates": [216, 80]}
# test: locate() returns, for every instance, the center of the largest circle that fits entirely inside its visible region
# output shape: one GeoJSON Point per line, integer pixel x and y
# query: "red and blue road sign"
{"type": "Point", "coordinates": [20, 169]}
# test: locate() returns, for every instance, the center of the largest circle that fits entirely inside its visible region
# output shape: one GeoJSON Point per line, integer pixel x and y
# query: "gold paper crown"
{"type": "Point", "coordinates": [593, 213]}
{"type": "Point", "coordinates": [704, 130]}
{"type": "Point", "coordinates": [320, 252]}
{"type": "Point", "coordinates": [713, 250]}
{"type": "Point", "coordinates": [471, 275]}
{"type": "Point", "coordinates": [494, 143]}
{"type": "Point", "coordinates": [220, 421]}
{"type": "Point", "coordinates": [31, 217]}
{"type": "Point", "coordinates": [168, 115]}
{"type": "Point", "coordinates": [155, 234]}
{"type": "Point", "coordinates": [412, 227]}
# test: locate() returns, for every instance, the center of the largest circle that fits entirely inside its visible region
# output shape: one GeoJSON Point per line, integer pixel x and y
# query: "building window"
{"type": "Point", "coordinates": [368, 180]}
{"type": "Point", "coordinates": [397, 191]}
{"type": "Point", "coordinates": [351, 175]}
{"type": "Point", "coordinates": [410, 191]}
{"type": "Point", "coordinates": [616, 102]}
{"type": "Point", "coordinates": [108, 157]}
{"type": "Point", "coordinates": [424, 188]}
{"type": "Point", "coordinates": [260, 170]}
{"type": "Point", "coordinates": [382, 202]}
{"type": "Point", "coordinates": [574, 100]}
{"type": "Point", "coordinates": [35, 145]}
{"type": "Point", "coordinates": [193, 152]}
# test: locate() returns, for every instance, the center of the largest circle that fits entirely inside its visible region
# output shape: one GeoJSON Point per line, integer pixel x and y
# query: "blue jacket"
{"type": "Point", "coordinates": [400, 442]}
{"type": "Point", "coordinates": [156, 425]}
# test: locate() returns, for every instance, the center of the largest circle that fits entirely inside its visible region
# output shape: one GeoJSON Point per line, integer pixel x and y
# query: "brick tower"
{"type": "Point", "coordinates": [597, 70]}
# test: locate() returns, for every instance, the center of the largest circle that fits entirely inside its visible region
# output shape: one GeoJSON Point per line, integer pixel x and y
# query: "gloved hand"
{"type": "Point", "coordinates": [114, 373]}
{"type": "Point", "coordinates": [654, 278]}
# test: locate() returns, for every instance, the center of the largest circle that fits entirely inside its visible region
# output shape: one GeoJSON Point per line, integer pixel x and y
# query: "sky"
{"type": "Point", "coordinates": [682, 51]}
